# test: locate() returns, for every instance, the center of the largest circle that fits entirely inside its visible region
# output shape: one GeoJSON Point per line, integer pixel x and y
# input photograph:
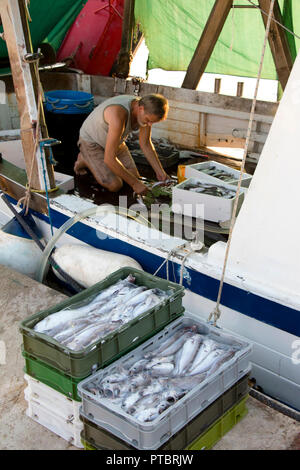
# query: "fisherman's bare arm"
{"type": "Point", "coordinates": [115, 116]}
{"type": "Point", "coordinates": [150, 153]}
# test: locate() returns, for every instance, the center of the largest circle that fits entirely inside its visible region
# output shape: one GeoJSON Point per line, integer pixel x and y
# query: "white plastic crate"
{"type": "Point", "coordinates": [151, 435]}
{"type": "Point", "coordinates": [48, 408]}
{"type": "Point", "coordinates": [212, 208]}
{"type": "Point", "coordinates": [195, 171]}
{"type": "Point", "coordinates": [47, 396]}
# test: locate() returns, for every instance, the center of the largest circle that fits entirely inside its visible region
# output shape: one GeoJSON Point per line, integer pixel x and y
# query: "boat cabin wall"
{"type": "Point", "coordinates": [196, 119]}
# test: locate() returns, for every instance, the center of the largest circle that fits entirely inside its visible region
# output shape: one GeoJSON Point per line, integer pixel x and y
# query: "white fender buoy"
{"type": "Point", "coordinates": [88, 265]}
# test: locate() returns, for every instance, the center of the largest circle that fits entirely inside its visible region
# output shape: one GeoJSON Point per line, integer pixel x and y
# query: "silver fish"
{"type": "Point", "coordinates": [111, 390]}
{"type": "Point", "coordinates": [162, 369]}
{"type": "Point", "coordinates": [145, 402]}
{"type": "Point", "coordinates": [138, 366]}
{"type": "Point", "coordinates": [130, 400]}
{"type": "Point", "coordinates": [164, 345]}
{"type": "Point", "coordinates": [152, 389]}
{"type": "Point", "coordinates": [188, 353]}
{"type": "Point", "coordinates": [137, 299]}
{"type": "Point", "coordinates": [176, 345]}
{"type": "Point", "coordinates": [147, 415]}
{"type": "Point", "coordinates": [59, 319]}
{"type": "Point", "coordinates": [55, 319]}
{"type": "Point", "coordinates": [226, 356]}
{"type": "Point", "coordinates": [114, 378]}
{"type": "Point", "coordinates": [159, 360]}
{"type": "Point", "coordinates": [207, 347]}
{"type": "Point", "coordinates": [173, 394]}
{"type": "Point", "coordinates": [207, 363]}
{"type": "Point", "coordinates": [138, 381]}
{"type": "Point", "coordinates": [185, 383]}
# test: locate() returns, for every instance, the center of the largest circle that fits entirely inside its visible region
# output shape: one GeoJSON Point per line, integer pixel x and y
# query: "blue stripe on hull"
{"type": "Point", "coordinates": [254, 306]}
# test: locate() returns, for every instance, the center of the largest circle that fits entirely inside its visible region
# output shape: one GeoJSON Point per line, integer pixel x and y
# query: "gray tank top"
{"type": "Point", "coordinates": [95, 129]}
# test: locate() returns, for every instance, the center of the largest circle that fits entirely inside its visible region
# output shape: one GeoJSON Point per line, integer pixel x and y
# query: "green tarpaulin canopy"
{"type": "Point", "coordinates": [50, 22]}
{"type": "Point", "coordinates": [172, 29]}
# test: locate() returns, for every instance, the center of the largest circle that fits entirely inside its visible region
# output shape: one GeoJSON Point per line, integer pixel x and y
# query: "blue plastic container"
{"type": "Point", "coordinates": [69, 102]}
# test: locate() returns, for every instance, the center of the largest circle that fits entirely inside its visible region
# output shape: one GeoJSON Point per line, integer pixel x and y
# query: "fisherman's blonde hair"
{"type": "Point", "coordinates": [155, 104]}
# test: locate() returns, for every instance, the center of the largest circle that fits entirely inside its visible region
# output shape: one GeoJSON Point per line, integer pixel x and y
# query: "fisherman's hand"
{"type": "Point", "coordinates": [162, 176]}
{"type": "Point", "coordinates": [140, 188]}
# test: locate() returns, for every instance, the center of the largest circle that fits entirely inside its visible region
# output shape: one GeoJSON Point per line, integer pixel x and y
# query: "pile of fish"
{"type": "Point", "coordinates": [166, 151]}
{"type": "Point", "coordinates": [77, 328]}
{"type": "Point", "coordinates": [161, 377]}
{"type": "Point", "coordinates": [220, 174]}
{"type": "Point", "coordinates": [210, 189]}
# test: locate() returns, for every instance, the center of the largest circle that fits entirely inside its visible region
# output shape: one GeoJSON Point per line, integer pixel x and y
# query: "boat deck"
{"type": "Point", "coordinates": [263, 427]}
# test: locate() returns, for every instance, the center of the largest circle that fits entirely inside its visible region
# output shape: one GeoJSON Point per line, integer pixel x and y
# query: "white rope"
{"type": "Point", "coordinates": [216, 313]}
{"type": "Point", "coordinates": [173, 252]}
{"type": "Point", "coordinates": [170, 253]}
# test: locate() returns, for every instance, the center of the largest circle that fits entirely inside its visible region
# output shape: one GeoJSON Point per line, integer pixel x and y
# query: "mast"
{"type": "Point", "coordinates": [125, 55]}
{"type": "Point", "coordinates": [265, 239]}
{"type": "Point", "coordinates": [18, 41]}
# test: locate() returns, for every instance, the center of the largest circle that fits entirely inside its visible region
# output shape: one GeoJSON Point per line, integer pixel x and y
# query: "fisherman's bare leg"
{"type": "Point", "coordinates": [80, 166]}
{"type": "Point", "coordinates": [91, 156]}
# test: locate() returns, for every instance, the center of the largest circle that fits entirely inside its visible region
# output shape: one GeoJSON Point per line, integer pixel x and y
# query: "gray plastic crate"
{"type": "Point", "coordinates": [150, 436]}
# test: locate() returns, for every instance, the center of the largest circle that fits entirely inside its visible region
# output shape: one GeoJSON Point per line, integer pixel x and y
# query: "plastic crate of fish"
{"type": "Point", "coordinates": [100, 324]}
{"type": "Point", "coordinates": [195, 197]}
{"type": "Point", "coordinates": [52, 377]}
{"type": "Point", "coordinates": [103, 440]}
{"type": "Point", "coordinates": [154, 391]}
{"type": "Point", "coordinates": [205, 441]}
{"type": "Point", "coordinates": [215, 172]}
{"type": "Point", "coordinates": [54, 419]}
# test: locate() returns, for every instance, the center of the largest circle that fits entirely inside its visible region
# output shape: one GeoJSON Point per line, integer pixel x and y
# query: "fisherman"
{"type": "Point", "coordinates": [102, 140]}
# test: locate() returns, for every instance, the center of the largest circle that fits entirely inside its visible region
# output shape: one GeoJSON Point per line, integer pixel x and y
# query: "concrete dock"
{"type": "Point", "coordinates": [262, 429]}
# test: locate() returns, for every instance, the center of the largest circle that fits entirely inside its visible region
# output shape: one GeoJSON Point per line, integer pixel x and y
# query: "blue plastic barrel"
{"type": "Point", "coordinates": [69, 102]}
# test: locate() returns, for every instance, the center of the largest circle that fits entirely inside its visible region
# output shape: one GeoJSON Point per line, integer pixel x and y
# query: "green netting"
{"type": "Point", "coordinates": [172, 29]}
{"type": "Point", "coordinates": [50, 22]}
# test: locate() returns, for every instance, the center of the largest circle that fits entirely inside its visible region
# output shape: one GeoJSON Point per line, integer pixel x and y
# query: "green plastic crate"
{"type": "Point", "coordinates": [207, 440]}
{"type": "Point", "coordinates": [234, 398]}
{"type": "Point", "coordinates": [79, 364]}
{"type": "Point", "coordinates": [52, 377]}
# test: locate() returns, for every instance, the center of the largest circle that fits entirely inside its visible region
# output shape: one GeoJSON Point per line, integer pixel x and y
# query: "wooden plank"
{"type": "Point", "coordinates": [104, 86]}
{"type": "Point", "coordinates": [220, 112]}
{"type": "Point", "coordinates": [184, 140]}
{"type": "Point", "coordinates": [207, 43]}
{"type": "Point", "coordinates": [256, 136]}
{"type": "Point", "coordinates": [278, 42]}
{"type": "Point", "coordinates": [202, 129]}
{"type": "Point", "coordinates": [13, 182]}
{"type": "Point", "coordinates": [183, 115]}
{"type": "Point", "coordinates": [37, 86]}
{"type": "Point", "coordinates": [22, 78]}
{"type": "Point", "coordinates": [178, 126]}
